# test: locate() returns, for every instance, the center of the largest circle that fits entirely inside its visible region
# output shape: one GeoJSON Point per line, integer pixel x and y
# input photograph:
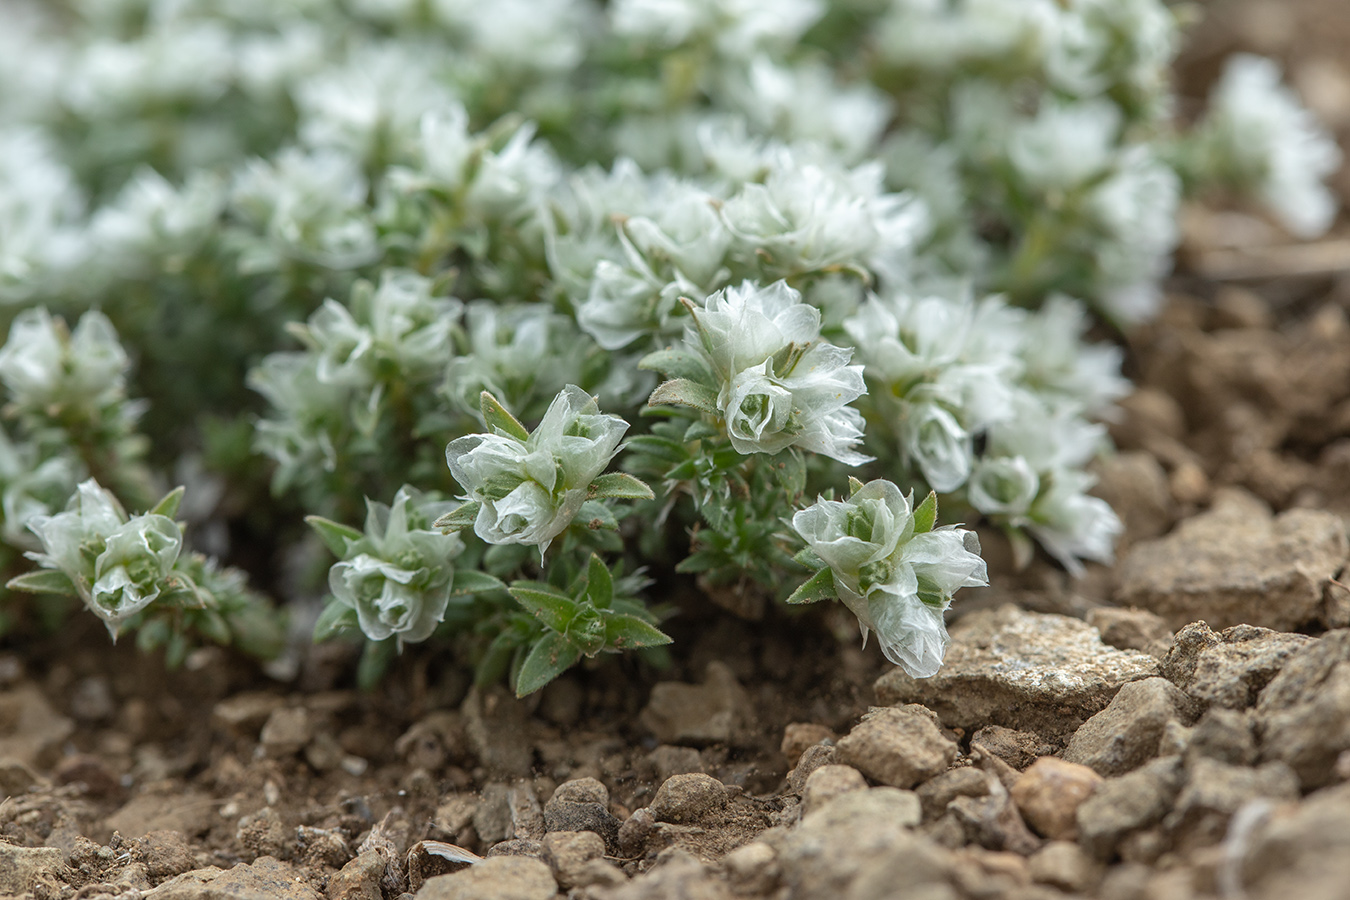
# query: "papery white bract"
{"type": "Point", "coordinates": [530, 490]}
{"type": "Point", "coordinates": [779, 383]}
{"type": "Point", "coordinates": [896, 581]}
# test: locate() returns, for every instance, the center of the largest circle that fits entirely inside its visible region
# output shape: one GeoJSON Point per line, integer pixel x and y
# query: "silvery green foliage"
{"type": "Point", "coordinates": [119, 564]}
{"type": "Point", "coordinates": [530, 486]}
{"type": "Point", "coordinates": [778, 384]}
{"type": "Point", "coordinates": [395, 578]}
{"type": "Point", "coordinates": [1259, 140]}
{"type": "Point", "coordinates": [285, 197]}
{"type": "Point", "coordinates": [897, 574]}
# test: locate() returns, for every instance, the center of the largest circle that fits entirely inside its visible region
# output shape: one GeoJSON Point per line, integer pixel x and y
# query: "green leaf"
{"type": "Point", "coordinates": [700, 430]}
{"type": "Point", "coordinates": [819, 586]}
{"type": "Point", "coordinates": [546, 603]}
{"type": "Point", "coordinates": [168, 506]}
{"type": "Point", "coordinates": [461, 516]}
{"type": "Point", "coordinates": [471, 581]}
{"type": "Point", "coordinates": [496, 660]}
{"type": "Point", "coordinates": [595, 515]}
{"type": "Point", "coordinates": [808, 558]}
{"type": "Point", "coordinates": [662, 448]}
{"type": "Point", "coordinates": [790, 467]}
{"type": "Point", "coordinates": [854, 485]}
{"type": "Point", "coordinates": [678, 364]}
{"type": "Point", "coordinates": [599, 583]}
{"type": "Point", "coordinates": [925, 514]}
{"type": "Point", "coordinates": [498, 419]}
{"type": "Point", "coordinates": [548, 659]}
{"type": "Point", "coordinates": [627, 632]}
{"type": "Point", "coordinates": [213, 625]}
{"type": "Point", "coordinates": [335, 619]}
{"type": "Point", "coordinates": [42, 581]}
{"type": "Point", "coordinates": [683, 392]}
{"type": "Point", "coordinates": [335, 537]}
{"type": "Point", "coordinates": [375, 661]}
{"type": "Point", "coordinates": [621, 486]}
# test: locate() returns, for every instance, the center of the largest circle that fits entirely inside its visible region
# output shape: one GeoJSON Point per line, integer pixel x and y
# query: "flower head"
{"type": "Point", "coordinates": [530, 489]}
{"type": "Point", "coordinates": [897, 580]}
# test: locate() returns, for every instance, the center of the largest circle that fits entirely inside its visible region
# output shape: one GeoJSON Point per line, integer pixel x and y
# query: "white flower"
{"type": "Point", "coordinates": [737, 27]}
{"type": "Point", "coordinates": [1136, 207]}
{"type": "Point", "coordinates": [898, 583]}
{"type": "Point", "coordinates": [1066, 144]}
{"type": "Point", "coordinates": [935, 441]}
{"type": "Point", "coordinates": [1073, 525]}
{"type": "Point", "coordinates": [779, 384]}
{"type": "Point", "coordinates": [1003, 486]}
{"type": "Point", "coordinates": [1278, 149]}
{"type": "Point", "coordinates": [42, 365]}
{"type": "Point", "coordinates": [530, 490]}
{"type": "Point", "coordinates": [397, 576]}
{"type": "Point", "coordinates": [118, 565]}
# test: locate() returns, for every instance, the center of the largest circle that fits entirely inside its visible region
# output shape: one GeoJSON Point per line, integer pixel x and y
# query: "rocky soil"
{"type": "Point", "coordinates": [1175, 726]}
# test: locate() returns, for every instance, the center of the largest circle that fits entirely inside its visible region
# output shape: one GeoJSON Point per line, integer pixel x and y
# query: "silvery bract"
{"type": "Point", "coordinates": [531, 489]}
{"type": "Point", "coordinates": [898, 583]}
{"type": "Point", "coordinates": [119, 565]}
{"type": "Point", "coordinates": [397, 577]}
{"type": "Point", "coordinates": [779, 384]}
{"type": "Point", "coordinates": [42, 365]}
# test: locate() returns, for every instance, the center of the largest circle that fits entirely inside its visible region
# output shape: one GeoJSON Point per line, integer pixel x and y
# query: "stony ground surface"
{"type": "Point", "coordinates": [1175, 726]}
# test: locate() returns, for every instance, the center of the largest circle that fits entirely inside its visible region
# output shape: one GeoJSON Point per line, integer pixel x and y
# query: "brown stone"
{"type": "Point", "coordinates": [1049, 793]}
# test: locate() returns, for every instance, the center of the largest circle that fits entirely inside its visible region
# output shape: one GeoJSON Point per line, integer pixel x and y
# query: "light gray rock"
{"type": "Point", "coordinates": [829, 782]}
{"type": "Point", "coordinates": [852, 837]}
{"type": "Point", "coordinates": [31, 730]}
{"type": "Point", "coordinates": [568, 852]}
{"type": "Point", "coordinates": [1303, 715]}
{"type": "Point", "coordinates": [1126, 804]}
{"type": "Point", "coordinates": [900, 747]}
{"type": "Point", "coordinates": [498, 878]}
{"type": "Point", "coordinates": [1214, 791]}
{"type": "Point", "coordinates": [1228, 668]}
{"type": "Point", "coordinates": [687, 798]}
{"type": "Point", "coordinates": [264, 879]}
{"type": "Point", "coordinates": [1297, 851]}
{"type": "Point", "coordinates": [1236, 564]}
{"type": "Point", "coordinates": [936, 793]}
{"type": "Point", "coordinates": [1064, 865]}
{"type": "Point", "coordinates": [1131, 629]}
{"type": "Point", "coordinates": [1028, 671]}
{"type": "Point", "coordinates": [715, 712]}
{"type": "Point", "coordinates": [1126, 734]}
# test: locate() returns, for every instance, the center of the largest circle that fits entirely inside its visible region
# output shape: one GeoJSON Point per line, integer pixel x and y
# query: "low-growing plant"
{"type": "Point", "coordinates": [563, 298]}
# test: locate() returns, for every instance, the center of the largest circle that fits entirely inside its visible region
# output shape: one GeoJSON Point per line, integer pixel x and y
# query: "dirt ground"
{"type": "Point", "coordinates": [1084, 739]}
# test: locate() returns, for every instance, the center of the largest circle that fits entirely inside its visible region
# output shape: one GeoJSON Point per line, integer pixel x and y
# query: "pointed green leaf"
{"type": "Point", "coordinates": [820, 586]}
{"type": "Point", "coordinates": [335, 537]}
{"type": "Point", "coordinates": [499, 420]}
{"type": "Point", "coordinates": [496, 659]}
{"type": "Point", "coordinates": [595, 516]}
{"type": "Point", "coordinates": [854, 485]}
{"type": "Point", "coordinates": [925, 514]}
{"type": "Point", "coordinates": [683, 392]}
{"type": "Point", "coordinates": [700, 430]}
{"type": "Point", "coordinates": [213, 625]}
{"type": "Point", "coordinates": [662, 448]}
{"type": "Point", "coordinates": [471, 581]}
{"type": "Point", "coordinates": [627, 632]}
{"type": "Point", "coordinates": [548, 604]}
{"type": "Point", "coordinates": [550, 657]}
{"type": "Point", "coordinates": [461, 516]}
{"type": "Point", "coordinates": [42, 581]}
{"type": "Point", "coordinates": [678, 364]}
{"type": "Point", "coordinates": [335, 619]}
{"type": "Point", "coordinates": [599, 583]}
{"type": "Point", "coordinates": [620, 486]}
{"type": "Point", "coordinates": [168, 506]}
{"type": "Point", "coordinates": [790, 467]}
{"type": "Point", "coordinates": [808, 558]}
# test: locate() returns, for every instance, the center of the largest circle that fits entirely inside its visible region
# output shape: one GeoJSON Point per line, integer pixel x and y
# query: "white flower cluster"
{"type": "Point", "coordinates": [1265, 143]}
{"type": "Point", "coordinates": [779, 384]}
{"type": "Point", "coordinates": [118, 564]}
{"type": "Point", "coordinates": [530, 489]}
{"type": "Point", "coordinates": [397, 576]}
{"type": "Point", "coordinates": [944, 372]}
{"type": "Point", "coordinates": [897, 579]}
